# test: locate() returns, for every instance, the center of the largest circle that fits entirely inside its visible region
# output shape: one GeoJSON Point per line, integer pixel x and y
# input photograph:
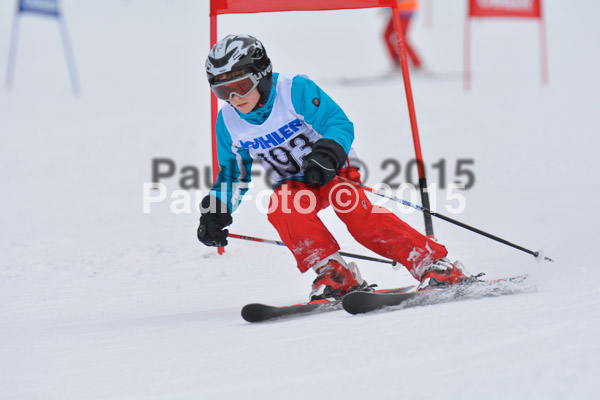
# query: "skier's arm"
{"type": "Point", "coordinates": [235, 164]}
{"type": "Point", "coordinates": [327, 118]}
{"type": "Point", "coordinates": [321, 112]}
{"type": "Point", "coordinates": [232, 183]}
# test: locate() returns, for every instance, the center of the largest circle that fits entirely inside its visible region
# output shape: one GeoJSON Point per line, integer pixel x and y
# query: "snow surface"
{"type": "Point", "coordinates": [99, 300]}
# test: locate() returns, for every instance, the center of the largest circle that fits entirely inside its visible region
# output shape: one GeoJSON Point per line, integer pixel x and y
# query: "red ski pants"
{"type": "Point", "coordinates": [389, 36]}
{"type": "Point", "coordinates": [293, 212]}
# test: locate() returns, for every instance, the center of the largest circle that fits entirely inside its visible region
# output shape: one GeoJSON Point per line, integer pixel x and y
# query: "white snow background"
{"type": "Point", "coordinates": [99, 300]}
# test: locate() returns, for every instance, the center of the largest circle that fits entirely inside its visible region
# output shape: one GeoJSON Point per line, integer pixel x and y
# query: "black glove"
{"type": "Point", "coordinates": [320, 166]}
{"type": "Point", "coordinates": [215, 217]}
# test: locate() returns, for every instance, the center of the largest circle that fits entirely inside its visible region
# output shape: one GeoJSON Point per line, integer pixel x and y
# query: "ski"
{"type": "Point", "coordinates": [364, 302]}
{"type": "Point", "coordinates": [256, 312]}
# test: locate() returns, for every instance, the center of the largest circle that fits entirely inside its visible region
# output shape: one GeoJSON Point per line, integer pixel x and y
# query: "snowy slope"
{"type": "Point", "coordinates": [99, 300]}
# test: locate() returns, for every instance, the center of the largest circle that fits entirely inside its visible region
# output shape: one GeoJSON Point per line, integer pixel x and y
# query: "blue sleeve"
{"type": "Point", "coordinates": [235, 164]}
{"type": "Point", "coordinates": [321, 112]}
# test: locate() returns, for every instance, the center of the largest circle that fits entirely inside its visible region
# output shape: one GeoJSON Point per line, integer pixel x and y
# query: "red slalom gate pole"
{"type": "Point", "coordinates": [214, 111]}
{"type": "Point", "coordinates": [278, 243]}
{"type": "Point", "coordinates": [413, 118]}
{"type": "Point", "coordinates": [467, 54]}
{"type": "Point", "coordinates": [543, 49]}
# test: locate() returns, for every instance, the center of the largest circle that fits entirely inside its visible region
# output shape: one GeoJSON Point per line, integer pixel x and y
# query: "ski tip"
{"type": "Point", "coordinates": [254, 312]}
{"type": "Point", "coordinates": [354, 302]}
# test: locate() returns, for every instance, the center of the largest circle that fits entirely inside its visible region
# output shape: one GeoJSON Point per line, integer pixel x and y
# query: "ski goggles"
{"type": "Point", "coordinates": [241, 86]}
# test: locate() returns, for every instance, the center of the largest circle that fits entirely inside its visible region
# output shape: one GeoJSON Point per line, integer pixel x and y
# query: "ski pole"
{"type": "Point", "coordinates": [278, 243]}
{"type": "Point", "coordinates": [539, 255]}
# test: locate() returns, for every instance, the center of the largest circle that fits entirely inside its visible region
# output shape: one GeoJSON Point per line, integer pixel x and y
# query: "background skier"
{"type": "Point", "coordinates": [407, 10]}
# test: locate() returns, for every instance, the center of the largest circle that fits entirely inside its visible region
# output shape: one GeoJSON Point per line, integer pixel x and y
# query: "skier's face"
{"type": "Point", "coordinates": [247, 103]}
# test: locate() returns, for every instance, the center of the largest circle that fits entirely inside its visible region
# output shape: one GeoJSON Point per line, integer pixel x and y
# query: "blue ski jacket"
{"type": "Point", "coordinates": [310, 102]}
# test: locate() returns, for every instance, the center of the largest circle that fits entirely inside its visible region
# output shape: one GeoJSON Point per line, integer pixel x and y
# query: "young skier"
{"type": "Point", "coordinates": [303, 140]}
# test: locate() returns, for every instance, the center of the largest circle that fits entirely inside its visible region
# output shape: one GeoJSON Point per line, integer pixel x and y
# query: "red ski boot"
{"type": "Point", "coordinates": [335, 280]}
{"type": "Point", "coordinates": [442, 273]}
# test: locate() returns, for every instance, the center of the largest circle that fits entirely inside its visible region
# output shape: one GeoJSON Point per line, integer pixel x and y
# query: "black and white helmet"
{"type": "Point", "coordinates": [235, 52]}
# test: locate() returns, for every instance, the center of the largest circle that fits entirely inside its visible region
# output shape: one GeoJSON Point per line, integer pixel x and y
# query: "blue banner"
{"type": "Point", "coordinates": [44, 7]}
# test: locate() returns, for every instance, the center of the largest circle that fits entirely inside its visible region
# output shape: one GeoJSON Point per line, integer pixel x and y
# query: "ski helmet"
{"type": "Point", "coordinates": [235, 52]}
